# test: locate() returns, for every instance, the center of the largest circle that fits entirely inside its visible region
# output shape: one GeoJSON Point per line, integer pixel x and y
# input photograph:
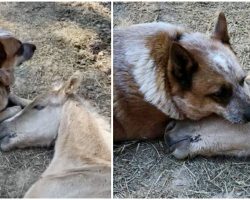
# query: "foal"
{"type": "Point", "coordinates": [81, 166]}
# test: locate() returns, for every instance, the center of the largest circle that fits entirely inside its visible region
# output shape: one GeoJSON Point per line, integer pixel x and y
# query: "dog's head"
{"type": "Point", "coordinates": [205, 76]}
{"type": "Point", "coordinates": [13, 52]}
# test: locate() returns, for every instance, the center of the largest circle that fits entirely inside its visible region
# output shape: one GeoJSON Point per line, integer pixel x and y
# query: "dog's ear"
{"type": "Point", "coordinates": [5, 77]}
{"type": "Point", "coordinates": [2, 54]}
{"type": "Point", "coordinates": [183, 65]}
{"type": "Point", "coordinates": [220, 31]}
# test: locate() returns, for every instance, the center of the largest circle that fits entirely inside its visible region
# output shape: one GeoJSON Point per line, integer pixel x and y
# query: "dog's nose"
{"type": "Point", "coordinates": [33, 47]}
{"type": "Point", "coordinates": [29, 46]}
{"type": "Point", "coordinates": [247, 114]}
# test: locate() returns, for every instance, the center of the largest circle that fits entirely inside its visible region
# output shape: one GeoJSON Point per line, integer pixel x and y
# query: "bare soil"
{"type": "Point", "coordinates": [69, 37]}
{"type": "Point", "coordinates": [144, 169]}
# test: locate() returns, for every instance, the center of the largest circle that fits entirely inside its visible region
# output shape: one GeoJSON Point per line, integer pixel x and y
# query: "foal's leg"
{"type": "Point", "coordinates": [208, 137]}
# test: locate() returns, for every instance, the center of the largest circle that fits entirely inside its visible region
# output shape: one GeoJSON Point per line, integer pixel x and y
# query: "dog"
{"type": "Point", "coordinates": [13, 53]}
{"type": "Point", "coordinates": [164, 72]}
{"type": "Point", "coordinates": [208, 137]}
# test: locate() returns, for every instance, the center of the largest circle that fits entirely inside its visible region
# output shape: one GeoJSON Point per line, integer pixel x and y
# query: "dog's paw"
{"type": "Point", "coordinates": [9, 112]}
{"type": "Point", "coordinates": [18, 101]}
{"type": "Point", "coordinates": [14, 110]}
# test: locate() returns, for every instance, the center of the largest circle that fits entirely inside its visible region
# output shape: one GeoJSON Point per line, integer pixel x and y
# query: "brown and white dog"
{"type": "Point", "coordinates": [12, 53]}
{"type": "Point", "coordinates": [162, 72]}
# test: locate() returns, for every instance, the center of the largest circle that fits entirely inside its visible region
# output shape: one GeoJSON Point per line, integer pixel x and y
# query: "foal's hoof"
{"type": "Point", "coordinates": [179, 147]}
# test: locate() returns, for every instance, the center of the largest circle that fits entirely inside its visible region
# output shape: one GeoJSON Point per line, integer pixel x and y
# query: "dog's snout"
{"type": "Point", "coordinates": [29, 50]}
{"type": "Point", "coordinates": [247, 114]}
{"type": "Point", "coordinates": [30, 46]}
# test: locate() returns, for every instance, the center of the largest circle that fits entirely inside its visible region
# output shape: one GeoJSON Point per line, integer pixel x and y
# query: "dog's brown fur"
{"type": "Point", "coordinates": [12, 53]}
{"type": "Point", "coordinates": [191, 92]}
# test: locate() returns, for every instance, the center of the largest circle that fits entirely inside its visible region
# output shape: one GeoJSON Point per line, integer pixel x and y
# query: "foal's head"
{"type": "Point", "coordinates": [42, 116]}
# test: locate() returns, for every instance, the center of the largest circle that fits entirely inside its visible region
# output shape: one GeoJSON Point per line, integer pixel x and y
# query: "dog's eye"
{"type": "Point", "coordinates": [223, 95]}
{"type": "Point", "coordinates": [219, 94]}
{"type": "Point", "coordinates": [241, 82]}
{"type": "Point", "coordinates": [39, 107]}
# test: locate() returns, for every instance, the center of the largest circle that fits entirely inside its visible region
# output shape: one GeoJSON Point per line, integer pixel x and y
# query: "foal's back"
{"type": "Point", "coordinates": [81, 165]}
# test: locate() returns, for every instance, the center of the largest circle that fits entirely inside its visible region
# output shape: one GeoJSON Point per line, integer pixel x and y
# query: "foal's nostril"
{"type": "Point", "coordinates": [168, 142]}
{"type": "Point", "coordinates": [170, 126]}
{"type": "Point", "coordinates": [247, 114]}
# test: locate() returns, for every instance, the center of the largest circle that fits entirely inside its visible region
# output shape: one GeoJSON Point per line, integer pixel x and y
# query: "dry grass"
{"type": "Point", "coordinates": [69, 37]}
{"type": "Point", "coordinates": [144, 169]}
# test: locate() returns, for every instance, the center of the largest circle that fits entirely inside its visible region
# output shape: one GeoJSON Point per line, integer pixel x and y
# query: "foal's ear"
{"type": "Point", "coordinates": [247, 80]}
{"type": "Point", "coordinates": [73, 83]}
{"type": "Point", "coordinates": [247, 84]}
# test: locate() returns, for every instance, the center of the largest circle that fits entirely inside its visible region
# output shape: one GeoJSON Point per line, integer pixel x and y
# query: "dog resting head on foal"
{"type": "Point", "coordinates": [163, 72]}
{"type": "Point", "coordinates": [12, 53]}
{"type": "Point", "coordinates": [208, 137]}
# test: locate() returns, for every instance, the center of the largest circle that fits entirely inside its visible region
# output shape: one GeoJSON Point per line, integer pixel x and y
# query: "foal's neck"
{"type": "Point", "coordinates": [83, 135]}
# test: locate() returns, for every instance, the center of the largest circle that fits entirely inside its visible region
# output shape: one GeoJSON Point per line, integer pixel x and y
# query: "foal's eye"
{"type": "Point", "coordinates": [39, 107]}
{"type": "Point", "coordinates": [241, 82]}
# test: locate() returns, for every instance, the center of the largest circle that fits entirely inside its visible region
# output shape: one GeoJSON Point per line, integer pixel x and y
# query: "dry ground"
{"type": "Point", "coordinates": [144, 169]}
{"type": "Point", "coordinates": [69, 37]}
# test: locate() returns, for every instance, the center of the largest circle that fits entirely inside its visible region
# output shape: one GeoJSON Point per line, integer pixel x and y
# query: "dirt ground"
{"type": "Point", "coordinates": [144, 169]}
{"type": "Point", "coordinates": [69, 37]}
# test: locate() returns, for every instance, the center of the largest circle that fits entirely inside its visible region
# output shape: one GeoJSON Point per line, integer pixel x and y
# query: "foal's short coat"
{"type": "Point", "coordinates": [81, 166]}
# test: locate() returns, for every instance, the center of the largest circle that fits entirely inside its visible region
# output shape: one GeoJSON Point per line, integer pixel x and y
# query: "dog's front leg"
{"type": "Point", "coordinates": [9, 112]}
{"type": "Point", "coordinates": [18, 101]}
